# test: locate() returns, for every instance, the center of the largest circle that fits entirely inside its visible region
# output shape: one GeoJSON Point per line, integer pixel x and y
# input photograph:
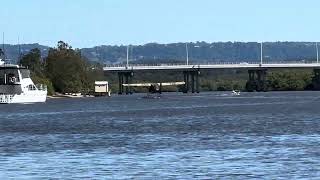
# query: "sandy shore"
{"type": "Point", "coordinates": [67, 96]}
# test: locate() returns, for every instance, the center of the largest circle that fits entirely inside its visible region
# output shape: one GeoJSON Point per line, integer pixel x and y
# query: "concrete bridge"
{"type": "Point", "coordinates": [257, 72]}
{"type": "Point", "coordinates": [143, 67]}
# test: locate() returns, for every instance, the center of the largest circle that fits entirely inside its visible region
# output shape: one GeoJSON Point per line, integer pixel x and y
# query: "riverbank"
{"type": "Point", "coordinates": [57, 96]}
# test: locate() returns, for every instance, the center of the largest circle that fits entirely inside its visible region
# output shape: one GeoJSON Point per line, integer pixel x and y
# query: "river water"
{"type": "Point", "coordinates": [274, 135]}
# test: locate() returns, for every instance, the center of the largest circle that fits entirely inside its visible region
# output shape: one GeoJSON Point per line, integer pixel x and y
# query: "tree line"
{"type": "Point", "coordinates": [64, 70]}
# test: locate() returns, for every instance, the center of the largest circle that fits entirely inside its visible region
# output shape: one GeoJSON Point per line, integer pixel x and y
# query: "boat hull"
{"type": "Point", "coordinates": [37, 97]}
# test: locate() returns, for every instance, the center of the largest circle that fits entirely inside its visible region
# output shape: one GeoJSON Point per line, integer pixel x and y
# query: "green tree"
{"type": "Point", "coordinates": [66, 69]}
{"type": "Point", "coordinates": [32, 61]}
{"type": "Point", "coordinates": [94, 73]}
{"type": "Point", "coordinates": [289, 80]}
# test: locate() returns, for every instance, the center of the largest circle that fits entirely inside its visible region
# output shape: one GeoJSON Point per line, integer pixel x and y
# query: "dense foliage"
{"type": "Point", "coordinates": [33, 61]}
{"type": "Point", "coordinates": [64, 70]}
{"type": "Point", "coordinates": [290, 80]}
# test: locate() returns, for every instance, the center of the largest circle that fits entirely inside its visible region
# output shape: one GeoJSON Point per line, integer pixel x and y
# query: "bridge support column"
{"type": "Point", "coordinates": [257, 80]}
{"type": "Point", "coordinates": [316, 79]}
{"type": "Point", "coordinates": [130, 82]}
{"type": "Point", "coordinates": [160, 88]}
{"type": "Point", "coordinates": [125, 78]}
{"type": "Point", "coordinates": [186, 81]}
{"type": "Point", "coordinates": [120, 75]}
{"type": "Point", "coordinates": [192, 82]}
{"type": "Point", "coordinates": [127, 82]}
{"type": "Point", "coordinates": [193, 76]}
{"type": "Point", "coordinates": [197, 81]}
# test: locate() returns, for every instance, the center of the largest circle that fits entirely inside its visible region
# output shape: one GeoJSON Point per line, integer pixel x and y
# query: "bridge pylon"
{"type": "Point", "coordinates": [257, 80]}
{"type": "Point", "coordinates": [192, 80]}
{"type": "Point", "coordinates": [316, 79]}
{"type": "Point", "coordinates": [125, 77]}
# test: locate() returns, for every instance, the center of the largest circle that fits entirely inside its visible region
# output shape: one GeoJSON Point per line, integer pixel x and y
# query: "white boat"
{"type": "Point", "coordinates": [236, 92]}
{"type": "Point", "coordinates": [16, 86]}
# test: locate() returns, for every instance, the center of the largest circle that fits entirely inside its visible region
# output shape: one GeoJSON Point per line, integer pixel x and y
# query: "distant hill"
{"type": "Point", "coordinates": [198, 52]}
{"type": "Point", "coordinates": [204, 52]}
{"type": "Point", "coordinates": [12, 51]}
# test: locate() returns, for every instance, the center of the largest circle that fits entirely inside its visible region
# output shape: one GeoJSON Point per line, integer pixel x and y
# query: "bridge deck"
{"type": "Point", "coordinates": [210, 66]}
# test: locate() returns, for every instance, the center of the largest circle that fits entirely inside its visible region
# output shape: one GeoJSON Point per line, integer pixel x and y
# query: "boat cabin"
{"type": "Point", "coordinates": [11, 77]}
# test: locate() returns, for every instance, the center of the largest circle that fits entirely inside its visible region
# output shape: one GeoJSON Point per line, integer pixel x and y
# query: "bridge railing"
{"type": "Point", "coordinates": [210, 63]}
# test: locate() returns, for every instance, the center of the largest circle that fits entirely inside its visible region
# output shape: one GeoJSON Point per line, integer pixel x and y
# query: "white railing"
{"type": "Point", "coordinates": [5, 98]}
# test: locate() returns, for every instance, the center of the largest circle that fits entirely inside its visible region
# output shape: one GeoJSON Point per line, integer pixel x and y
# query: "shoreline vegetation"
{"type": "Point", "coordinates": [66, 73]}
{"type": "Point", "coordinates": [64, 70]}
{"type": "Point", "coordinates": [66, 96]}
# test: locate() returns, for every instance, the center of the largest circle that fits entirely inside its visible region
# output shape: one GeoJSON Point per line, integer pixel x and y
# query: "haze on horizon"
{"type": "Point", "coordinates": [90, 23]}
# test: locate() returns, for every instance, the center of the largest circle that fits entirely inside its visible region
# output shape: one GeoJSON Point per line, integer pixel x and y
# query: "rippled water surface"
{"type": "Point", "coordinates": [209, 135]}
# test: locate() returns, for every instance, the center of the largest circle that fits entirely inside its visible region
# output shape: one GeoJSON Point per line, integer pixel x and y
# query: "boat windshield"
{"type": "Point", "coordinates": [9, 76]}
{"type": "Point", "coordinates": [32, 87]}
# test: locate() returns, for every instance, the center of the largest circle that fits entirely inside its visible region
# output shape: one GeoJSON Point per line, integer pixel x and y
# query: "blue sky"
{"type": "Point", "coordinates": [84, 23]}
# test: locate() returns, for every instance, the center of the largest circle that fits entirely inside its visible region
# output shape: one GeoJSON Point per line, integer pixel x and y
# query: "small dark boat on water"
{"type": "Point", "coordinates": [154, 92]}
